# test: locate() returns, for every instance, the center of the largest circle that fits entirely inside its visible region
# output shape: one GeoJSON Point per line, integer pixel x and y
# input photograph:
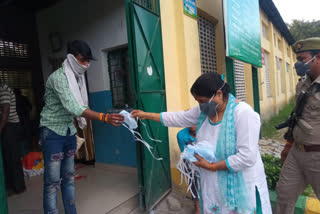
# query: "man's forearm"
{"type": "Point", "coordinates": [91, 115]}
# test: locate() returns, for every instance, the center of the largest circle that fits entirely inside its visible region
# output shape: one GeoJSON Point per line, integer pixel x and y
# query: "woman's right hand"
{"type": "Point", "coordinates": [139, 114]}
{"type": "Point", "coordinates": [146, 115]}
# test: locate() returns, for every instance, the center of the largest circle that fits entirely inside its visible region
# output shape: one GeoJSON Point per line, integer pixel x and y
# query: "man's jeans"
{"type": "Point", "coordinates": [58, 153]}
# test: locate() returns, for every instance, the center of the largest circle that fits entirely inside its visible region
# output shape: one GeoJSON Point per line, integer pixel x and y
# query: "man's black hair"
{"type": "Point", "coordinates": [79, 47]}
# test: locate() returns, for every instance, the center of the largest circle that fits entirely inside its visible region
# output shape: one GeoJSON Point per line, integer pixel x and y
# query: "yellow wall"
{"type": "Point", "coordinates": [182, 67]}
{"type": "Point", "coordinates": [279, 96]}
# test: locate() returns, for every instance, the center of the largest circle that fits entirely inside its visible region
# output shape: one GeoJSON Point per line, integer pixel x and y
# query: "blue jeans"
{"type": "Point", "coordinates": [58, 153]}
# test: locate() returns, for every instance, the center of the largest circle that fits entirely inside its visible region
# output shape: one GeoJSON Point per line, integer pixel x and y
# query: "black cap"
{"type": "Point", "coordinates": [80, 47]}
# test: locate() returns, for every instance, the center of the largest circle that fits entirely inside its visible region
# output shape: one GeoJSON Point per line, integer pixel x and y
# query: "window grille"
{"type": "Point", "coordinates": [151, 5]}
{"type": "Point", "coordinates": [207, 40]}
{"type": "Point", "coordinates": [266, 62]}
{"type": "Point", "coordinates": [239, 80]}
{"type": "Point", "coordinates": [13, 49]}
{"type": "Point", "coordinates": [120, 78]}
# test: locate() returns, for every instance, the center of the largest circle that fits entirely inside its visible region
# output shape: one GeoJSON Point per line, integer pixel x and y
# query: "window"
{"type": "Point", "coordinates": [264, 31]}
{"type": "Point", "coordinates": [266, 60]}
{"type": "Point", "coordinates": [279, 63]}
{"type": "Point", "coordinates": [118, 61]}
{"type": "Point", "coordinates": [279, 44]}
{"type": "Point", "coordinates": [288, 51]}
{"type": "Point", "coordinates": [13, 49]}
{"type": "Point", "coordinates": [18, 79]}
{"type": "Point", "coordinates": [239, 80]}
{"type": "Point", "coordinates": [149, 4]}
{"type": "Point", "coordinates": [207, 40]}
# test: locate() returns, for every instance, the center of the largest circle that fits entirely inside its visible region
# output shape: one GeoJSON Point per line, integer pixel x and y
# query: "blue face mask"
{"type": "Point", "coordinates": [210, 108]}
{"type": "Point", "coordinates": [303, 68]}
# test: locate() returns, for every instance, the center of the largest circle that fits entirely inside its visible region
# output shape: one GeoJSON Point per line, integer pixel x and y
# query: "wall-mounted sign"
{"type": "Point", "coordinates": [242, 30]}
{"type": "Point", "coordinates": [190, 8]}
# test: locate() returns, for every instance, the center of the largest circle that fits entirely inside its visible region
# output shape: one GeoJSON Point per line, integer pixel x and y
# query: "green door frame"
{"type": "Point", "coordinates": [255, 86]}
{"type": "Point", "coordinates": [230, 75]}
{"type": "Point", "coordinates": [134, 86]}
{"type": "Point", "coordinates": [146, 175]}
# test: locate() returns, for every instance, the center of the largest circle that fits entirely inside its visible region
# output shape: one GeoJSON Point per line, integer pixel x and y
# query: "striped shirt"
{"type": "Point", "coordinates": [60, 105]}
{"type": "Point", "coordinates": [7, 96]}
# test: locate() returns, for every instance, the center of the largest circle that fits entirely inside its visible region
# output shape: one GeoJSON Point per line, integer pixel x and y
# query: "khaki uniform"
{"type": "Point", "coordinates": [302, 168]}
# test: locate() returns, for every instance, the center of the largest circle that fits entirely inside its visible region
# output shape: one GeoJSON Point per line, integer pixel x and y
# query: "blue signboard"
{"type": "Point", "coordinates": [190, 8]}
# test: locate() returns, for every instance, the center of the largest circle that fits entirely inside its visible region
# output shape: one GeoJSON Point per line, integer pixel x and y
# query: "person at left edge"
{"type": "Point", "coordinates": [66, 99]}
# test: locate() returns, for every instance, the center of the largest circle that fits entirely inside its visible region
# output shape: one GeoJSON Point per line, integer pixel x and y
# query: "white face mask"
{"type": "Point", "coordinates": [130, 121]}
{"type": "Point", "coordinates": [76, 66]}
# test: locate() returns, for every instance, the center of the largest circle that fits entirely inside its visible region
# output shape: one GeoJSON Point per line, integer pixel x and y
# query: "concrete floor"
{"type": "Point", "coordinates": [103, 188]}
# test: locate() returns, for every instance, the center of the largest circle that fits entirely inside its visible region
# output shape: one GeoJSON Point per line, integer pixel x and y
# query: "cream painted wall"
{"type": "Point", "coordinates": [271, 105]}
{"type": "Point", "coordinates": [182, 67]}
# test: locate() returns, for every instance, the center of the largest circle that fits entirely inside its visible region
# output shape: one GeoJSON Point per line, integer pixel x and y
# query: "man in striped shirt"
{"type": "Point", "coordinates": [10, 131]}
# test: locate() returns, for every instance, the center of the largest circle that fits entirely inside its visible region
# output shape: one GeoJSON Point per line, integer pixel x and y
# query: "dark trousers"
{"type": "Point", "coordinates": [11, 154]}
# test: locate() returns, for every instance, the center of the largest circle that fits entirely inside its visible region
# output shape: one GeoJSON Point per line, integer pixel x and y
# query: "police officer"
{"type": "Point", "coordinates": [302, 156]}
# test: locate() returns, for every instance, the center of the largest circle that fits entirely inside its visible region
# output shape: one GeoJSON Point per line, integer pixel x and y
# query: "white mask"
{"type": "Point", "coordinates": [76, 67]}
{"type": "Point", "coordinates": [130, 121]}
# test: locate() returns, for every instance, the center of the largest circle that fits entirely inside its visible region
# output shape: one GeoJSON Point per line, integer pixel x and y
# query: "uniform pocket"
{"type": "Point", "coordinates": [305, 126]}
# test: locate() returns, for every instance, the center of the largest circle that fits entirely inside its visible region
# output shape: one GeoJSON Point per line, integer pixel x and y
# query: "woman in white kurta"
{"type": "Point", "coordinates": [245, 163]}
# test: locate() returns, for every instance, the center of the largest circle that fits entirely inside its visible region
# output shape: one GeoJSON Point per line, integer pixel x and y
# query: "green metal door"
{"type": "Point", "coordinates": [3, 193]}
{"type": "Point", "coordinates": [230, 75]}
{"type": "Point", "coordinates": [145, 49]}
{"type": "Point", "coordinates": [255, 86]}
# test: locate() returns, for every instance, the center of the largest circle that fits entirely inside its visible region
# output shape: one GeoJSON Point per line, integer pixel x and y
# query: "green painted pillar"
{"type": "Point", "coordinates": [230, 75]}
{"type": "Point", "coordinates": [255, 85]}
{"type": "Point", "coordinates": [3, 193]}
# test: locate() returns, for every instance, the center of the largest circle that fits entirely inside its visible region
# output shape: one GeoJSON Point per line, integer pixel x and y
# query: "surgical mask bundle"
{"type": "Point", "coordinates": [185, 165]}
{"type": "Point", "coordinates": [130, 123]}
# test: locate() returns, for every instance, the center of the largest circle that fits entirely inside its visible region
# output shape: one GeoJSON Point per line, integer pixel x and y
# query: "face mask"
{"type": "Point", "coordinates": [130, 121]}
{"type": "Point", "coordinates": [76, 66]}
{"type": "Point", "coordinates": [303, 68]}
{"type": "Point", "coordinates": [210, 108]}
